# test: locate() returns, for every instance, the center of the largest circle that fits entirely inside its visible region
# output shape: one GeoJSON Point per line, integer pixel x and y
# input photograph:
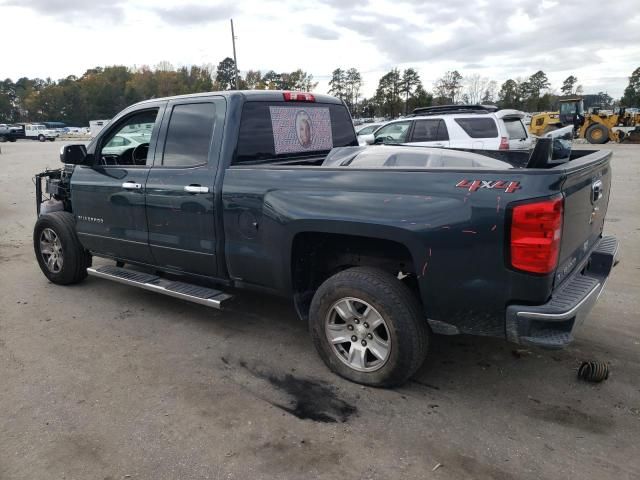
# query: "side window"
{"type": "Point", "coordinates": [128, 142]}
{"type": "Point", "coordinates": [478, 127]}
{"type": "Point", "coordinates": [189, 135]}
{"type": "Point", "coordinates": [431, 130]}
{"type": "Point", "coordinates": [394, 132]}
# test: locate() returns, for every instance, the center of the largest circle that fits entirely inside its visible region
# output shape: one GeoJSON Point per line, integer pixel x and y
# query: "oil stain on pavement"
{"type": "Point", "coordinates": [307, 399]}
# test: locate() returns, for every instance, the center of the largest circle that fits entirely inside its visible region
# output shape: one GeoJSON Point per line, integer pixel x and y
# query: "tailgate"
{"type": "Point", "coordinates": [586, 191]}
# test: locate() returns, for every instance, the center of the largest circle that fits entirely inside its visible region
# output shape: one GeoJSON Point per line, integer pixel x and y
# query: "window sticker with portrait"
{"type": "Point", "coordinates": [300, 129]}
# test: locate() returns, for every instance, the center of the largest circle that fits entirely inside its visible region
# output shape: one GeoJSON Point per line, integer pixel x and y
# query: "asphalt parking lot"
{"type": "Point", "coordinates": [104, 381]}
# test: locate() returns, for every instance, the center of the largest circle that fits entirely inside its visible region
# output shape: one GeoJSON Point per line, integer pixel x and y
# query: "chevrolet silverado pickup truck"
{"type": "Point", "coordinates": [379, 247]}
{"type": "Point", "coordinates": [7, 134]}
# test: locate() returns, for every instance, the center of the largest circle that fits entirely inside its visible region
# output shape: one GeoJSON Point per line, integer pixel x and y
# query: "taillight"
{"type": "Point", "coordinates": [536, 229]}
{"type": "Point", "coordinates": [504, 143]}
{"type": "Point", "coordinates": [298, 97]}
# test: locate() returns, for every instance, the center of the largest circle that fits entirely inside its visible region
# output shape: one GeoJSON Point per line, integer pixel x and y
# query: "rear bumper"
{"type": "Point", "coordinates": [551, 325]}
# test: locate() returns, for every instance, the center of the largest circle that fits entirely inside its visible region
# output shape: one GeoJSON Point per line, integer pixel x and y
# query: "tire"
{"type": "Point", "coordinates": [3, 139]}
{"type": "Point", "coordinates": [52, 139]}
{"type": "Point", "coordinates": [41, 138]}
{"type": "Point", "coordinates": [597, 134]}
{"type": "Point", "coordinates": [72, 259]}
{"type": "Point", "coordinates": [12, 140]}
{"type": "Point", "coordinates": [404, 325]}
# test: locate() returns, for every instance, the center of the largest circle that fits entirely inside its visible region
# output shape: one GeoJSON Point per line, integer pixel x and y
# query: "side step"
{"type": "Point", "coordinates": [186, 291]}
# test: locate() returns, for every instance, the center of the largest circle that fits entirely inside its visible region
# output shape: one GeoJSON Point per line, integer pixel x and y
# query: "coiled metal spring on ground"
{"type": "Point", "coordinates": [593, 371]}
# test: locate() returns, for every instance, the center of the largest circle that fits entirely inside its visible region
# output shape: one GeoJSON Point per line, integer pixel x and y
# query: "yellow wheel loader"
{"type": "Point", "coordinates": [596, 127]}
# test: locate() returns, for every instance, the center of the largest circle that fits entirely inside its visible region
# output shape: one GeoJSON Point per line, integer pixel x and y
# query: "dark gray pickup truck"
{"type": "Point", "coordinates": [8, 134]}
{"type": "Point", "coordinates": [378, 247]}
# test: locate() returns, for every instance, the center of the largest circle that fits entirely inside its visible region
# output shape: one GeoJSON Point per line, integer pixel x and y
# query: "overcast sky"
{"type": "Point", "coordinates": [597, 41]}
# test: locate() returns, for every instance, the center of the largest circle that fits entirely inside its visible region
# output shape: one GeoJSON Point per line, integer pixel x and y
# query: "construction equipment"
{"type": "Point", "coordinates": [596, 126]}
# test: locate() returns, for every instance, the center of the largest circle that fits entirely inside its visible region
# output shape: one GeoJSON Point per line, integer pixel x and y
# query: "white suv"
{"type": "Point", "coordinates": [457, 126]}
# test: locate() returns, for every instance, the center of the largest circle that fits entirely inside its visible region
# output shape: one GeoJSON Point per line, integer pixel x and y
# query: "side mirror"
{"type": "Point", "coordinates": [75, 154]}
{"type": "Point", "coordinates": [367, 139]}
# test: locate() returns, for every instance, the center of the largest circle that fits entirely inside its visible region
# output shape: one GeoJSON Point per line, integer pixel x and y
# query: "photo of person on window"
{"type": "Point", "coordinates": [303, 128]}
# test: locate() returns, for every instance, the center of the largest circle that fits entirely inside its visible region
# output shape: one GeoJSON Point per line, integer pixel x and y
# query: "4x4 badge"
{"type": "Point", "coordinates": [472, 186]}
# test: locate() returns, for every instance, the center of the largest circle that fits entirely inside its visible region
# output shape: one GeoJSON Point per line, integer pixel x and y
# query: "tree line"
{"type": "Point", "coordinates": [399, 92]}
{"type": "Point", "coordinates": [101, 92]}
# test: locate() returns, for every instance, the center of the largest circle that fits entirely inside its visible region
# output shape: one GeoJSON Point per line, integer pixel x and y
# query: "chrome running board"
{"type": "Point", "coordinates": [185, 291]}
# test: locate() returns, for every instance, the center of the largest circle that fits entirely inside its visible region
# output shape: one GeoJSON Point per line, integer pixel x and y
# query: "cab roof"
{"type": "Point", "coordinates": [248, 95]}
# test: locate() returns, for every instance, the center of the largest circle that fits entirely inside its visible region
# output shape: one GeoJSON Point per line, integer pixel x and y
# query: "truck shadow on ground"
{"type": "Point", "coordinates": [265, 349]}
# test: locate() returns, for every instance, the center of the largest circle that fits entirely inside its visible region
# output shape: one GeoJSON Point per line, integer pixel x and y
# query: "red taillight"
{"type": "Point", "coordinates": [504, 143]}
{"type": "Point", "coordinates": [298, 97]}
{"type": "Point", "coordinates": [536, 229]}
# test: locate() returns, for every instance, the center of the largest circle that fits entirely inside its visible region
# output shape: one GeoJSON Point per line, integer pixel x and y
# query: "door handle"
{"type": "Point", "coordinates": [196, 189]}
{"type": "Point", "coordinates": [131, 185]}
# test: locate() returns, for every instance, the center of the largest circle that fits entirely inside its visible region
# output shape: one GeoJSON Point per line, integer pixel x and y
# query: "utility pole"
{"type": "Point", "coordinates": [235, 61]}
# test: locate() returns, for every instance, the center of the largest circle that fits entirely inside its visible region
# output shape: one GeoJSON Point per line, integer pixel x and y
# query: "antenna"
{"type": "Point", "coordinates": [235, 61]}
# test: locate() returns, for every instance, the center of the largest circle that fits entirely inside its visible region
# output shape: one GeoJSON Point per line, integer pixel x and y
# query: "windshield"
{"type": "Point", "coordinates": [393, 133]}
{"type": "Point", "coordinates": [569, 108]}
{"type": "Point", "coordinates": [367, 130]}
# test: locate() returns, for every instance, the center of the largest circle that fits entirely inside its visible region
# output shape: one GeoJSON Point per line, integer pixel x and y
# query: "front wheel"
{"type": "Point", "coordinates": [60, 255]}
{"type": "Point", "coordinates": [368, 327]}
{"type": "Point", "coordinates": [41, 138]}
{"type": "Point", "coordinates": [597, 134]}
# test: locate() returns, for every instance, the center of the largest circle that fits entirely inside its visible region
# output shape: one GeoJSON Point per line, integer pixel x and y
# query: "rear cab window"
{"type": "Point", "coordinates": [281, 131]}
{"type": "Point", "coordinates": [478, 127]}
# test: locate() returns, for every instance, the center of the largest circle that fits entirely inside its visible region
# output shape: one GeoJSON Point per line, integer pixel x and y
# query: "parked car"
{"type": "Point", "coordinates": [368, 129]}
{"type": "Point", "coordinates": [377, 247]}
{"type": "Point", "coordinates": [122, 142]}
{"type": "Point", "coordinates": [457, 126]}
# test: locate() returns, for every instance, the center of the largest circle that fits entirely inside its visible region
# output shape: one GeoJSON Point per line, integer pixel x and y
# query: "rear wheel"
{"type": "Point", "coordinates": [3, 139]}
{"type": "Point", "coordinates": [368, 327]}
{"type": "Point", "coordinates": [60, 255]}
{"type": "Point", "coordinates": [597, 134]}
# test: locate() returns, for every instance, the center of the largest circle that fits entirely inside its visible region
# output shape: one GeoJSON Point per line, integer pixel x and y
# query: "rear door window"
{"type": "Point", "coordinates": [515, 128]}
{"type": "Point", "coordinates": [272, 131]}
{"type": "Point", "coordinates": [431, 130]}
{"type": "Point", "coordinates": [478, 127]}
{"type": "Point", "coordinates": [189, 135]}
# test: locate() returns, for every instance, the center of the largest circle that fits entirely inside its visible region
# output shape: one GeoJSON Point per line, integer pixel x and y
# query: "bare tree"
{"type": "Point", "coordinates": [164, 66]}
{"type": "Point", "coordinates": [489, 94]}
{"type": "Point", "coordinates": [474, 86]}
